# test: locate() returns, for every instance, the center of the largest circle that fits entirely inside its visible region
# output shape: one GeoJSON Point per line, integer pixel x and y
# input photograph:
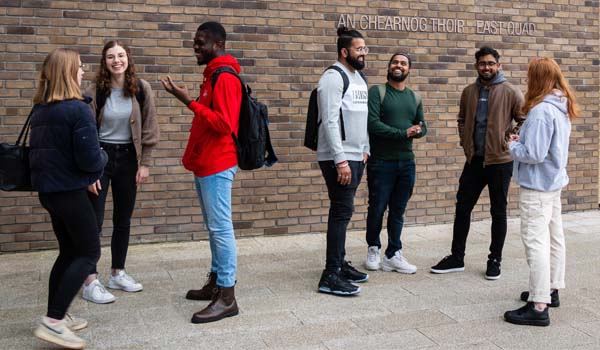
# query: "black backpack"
{"type": "Point", "coordinates": [253, 142]}
{"type": "Point", "coordinates": [311, 131]}
{"type": "Point", "coordinates": [101, 99]}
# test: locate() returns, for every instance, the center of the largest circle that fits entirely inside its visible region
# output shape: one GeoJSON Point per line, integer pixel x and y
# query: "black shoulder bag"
{"type": "Point", "coordinates": [15, 174]}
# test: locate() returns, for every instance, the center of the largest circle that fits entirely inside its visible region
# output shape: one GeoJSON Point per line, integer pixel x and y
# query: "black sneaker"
{"type": "Point", "coordinates": [449, 263]}
{"type": "Point", "coordinates": [554, 301]}
{"type": "Point", "coordinates": [351, 274]}
{"type": "Point", "coordinates": [493, 269]}
{"type": "Point", "coordinates": [332, 283]}
{"type": "Point", "coordinates": [528, 315]}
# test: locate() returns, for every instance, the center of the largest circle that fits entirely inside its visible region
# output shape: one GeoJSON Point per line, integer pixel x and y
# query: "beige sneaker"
{"type": "Point", "coordinates": [75, 323]}
{"type": "Point", "coordinates": [58, 334]}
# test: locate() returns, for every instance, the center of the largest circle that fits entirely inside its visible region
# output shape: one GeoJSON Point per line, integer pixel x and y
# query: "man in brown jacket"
{"type": "Point", "coordinates": [487, 110]}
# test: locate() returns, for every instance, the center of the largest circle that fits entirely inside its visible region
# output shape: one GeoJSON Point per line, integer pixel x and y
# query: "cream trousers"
{"type": "Point", "coordinates": [544, 240]}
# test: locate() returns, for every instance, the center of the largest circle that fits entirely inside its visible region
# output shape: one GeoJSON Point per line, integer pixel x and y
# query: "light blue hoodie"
{"type": "Point", "coordinates": [542, 151]}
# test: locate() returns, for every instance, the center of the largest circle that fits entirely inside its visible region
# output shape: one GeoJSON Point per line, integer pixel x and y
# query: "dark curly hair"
{"type": "Point", "coordinates": [345, 37]}
{"type": "Point", "coordinates": [103, 76]}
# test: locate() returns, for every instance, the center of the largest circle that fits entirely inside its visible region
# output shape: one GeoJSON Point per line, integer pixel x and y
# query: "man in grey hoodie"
{"type": "Point", "coordinates": [343, 148]}
{"type": "Point", "coordinates": [488, 108]}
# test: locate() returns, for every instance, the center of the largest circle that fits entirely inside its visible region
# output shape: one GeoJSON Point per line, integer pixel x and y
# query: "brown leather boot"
{"type": "Point", "coordinates": [207, 292]}
{"type": "Point", "coordinates": [223, 305]}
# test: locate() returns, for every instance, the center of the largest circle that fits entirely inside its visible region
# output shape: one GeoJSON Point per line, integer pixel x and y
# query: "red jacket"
{"type": "Point", "coordinates": [210, 148]}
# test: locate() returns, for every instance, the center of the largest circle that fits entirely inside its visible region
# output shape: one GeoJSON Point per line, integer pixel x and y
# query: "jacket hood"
{"type": "Point", "coordinates": [499, 78]}
{"type": "Point", "coordinates": [220, 61]}
{"type": "Point", "coordinates": [557, 99]}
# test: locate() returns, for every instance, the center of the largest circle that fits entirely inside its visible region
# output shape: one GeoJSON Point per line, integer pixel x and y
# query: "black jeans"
{"type": "Point", "coordinates": [119, 173]}
{"type": "Point", "coordinates": [340, 210]}
{"type": "Point", "coordinates": [74, 224]}
{"type": "Point", "coordinates": [474, 178]}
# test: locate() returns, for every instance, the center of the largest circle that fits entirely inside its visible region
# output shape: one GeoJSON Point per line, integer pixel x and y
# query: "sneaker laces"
{"type": "Point", "coordinates": [128, 278]}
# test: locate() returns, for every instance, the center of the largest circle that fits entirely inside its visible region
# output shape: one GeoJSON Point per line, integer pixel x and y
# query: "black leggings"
{"type": "Point", "coordinates": [74, 224]}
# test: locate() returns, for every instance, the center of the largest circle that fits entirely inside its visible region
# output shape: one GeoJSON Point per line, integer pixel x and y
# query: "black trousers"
{"type": "Point", "coordinates": [74, 224]}
{"type": "Point", "coordinates": [474, 178]}
{"type": "Point", "coordinates": [119, 174]}
{"type": "Point", "coordinates": [340, 211]}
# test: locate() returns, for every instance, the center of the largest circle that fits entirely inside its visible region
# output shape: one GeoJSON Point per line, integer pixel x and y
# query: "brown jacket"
{"type": "Point", "coordinates": [145, 132]}
{"type": "Point", "coordinates": [504, 104]}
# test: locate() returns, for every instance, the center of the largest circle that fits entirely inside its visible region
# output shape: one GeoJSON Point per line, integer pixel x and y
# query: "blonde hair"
{"type": "Point", "coordinates": [58, 77]}
{"type": "Point", "coordinates": [544, 76]}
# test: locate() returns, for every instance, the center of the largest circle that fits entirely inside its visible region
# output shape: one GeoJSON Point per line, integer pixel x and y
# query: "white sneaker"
{"type": "Point", "coordinates": [398, 263]}
{"type": "Point", "coordinates": [373, 258]}
{"type": "Point", "coordinates": [124, 282]}
{"type": "Point", "coordinates": [58, 334]}
{"type": "Point", "coordinates": [96, 293]}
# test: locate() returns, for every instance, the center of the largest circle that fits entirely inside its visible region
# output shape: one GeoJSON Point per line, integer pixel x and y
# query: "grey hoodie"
{"type": "Point", "coordinates": [542, 151]}
{"type": "Point", "coordinates": [482, 113]}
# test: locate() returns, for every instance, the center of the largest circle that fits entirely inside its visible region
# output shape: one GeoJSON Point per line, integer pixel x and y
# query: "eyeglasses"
{"type": "Point", "coordinates": [363, 50]}
{"type": "Point", "coordinates": [486, 64]}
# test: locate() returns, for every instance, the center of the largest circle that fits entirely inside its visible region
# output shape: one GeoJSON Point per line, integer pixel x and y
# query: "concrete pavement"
{"type": "Point", "coordinates": [280, 308]}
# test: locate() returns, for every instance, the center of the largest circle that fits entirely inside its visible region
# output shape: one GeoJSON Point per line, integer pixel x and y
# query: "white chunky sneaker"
{"type": "Point", "coordinates": [124, 282]}
{"type": "Point", "coordinates": [58, 334]}
{"type": "Point", "coordinates": [398, 263]}
{"type": "Point", "coordinates": [373, 258]}
{"type": "Point", "coordinates": [96, 293]}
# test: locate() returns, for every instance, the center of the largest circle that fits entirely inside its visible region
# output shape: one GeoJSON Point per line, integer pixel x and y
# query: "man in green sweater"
{"type": "Point", "coordinates": [395, 119]}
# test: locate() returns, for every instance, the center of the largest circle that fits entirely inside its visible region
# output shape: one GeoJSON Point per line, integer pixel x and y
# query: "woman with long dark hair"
{"type": "Point", "coordinates": [65, 160]}
{"type": "Point", "coordinates": [541, 151]}
{"type": "Point", "coordinates": [128, 132]}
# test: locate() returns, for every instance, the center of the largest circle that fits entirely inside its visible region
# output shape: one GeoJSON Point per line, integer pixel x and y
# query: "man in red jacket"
{"type": "Point", "coordinates": [211, 155]}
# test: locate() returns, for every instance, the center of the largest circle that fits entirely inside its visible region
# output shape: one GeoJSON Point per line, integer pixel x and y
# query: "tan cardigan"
{"type": "Point", "coordinates": [145, 132]}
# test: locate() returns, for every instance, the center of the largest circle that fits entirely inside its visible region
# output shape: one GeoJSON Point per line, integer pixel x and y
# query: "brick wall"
{"type": "Point", "coordinates": [283, 46]}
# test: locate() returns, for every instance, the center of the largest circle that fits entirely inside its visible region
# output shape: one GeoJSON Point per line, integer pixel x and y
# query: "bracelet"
{"type": "Point", "coordinates": [342, 166]}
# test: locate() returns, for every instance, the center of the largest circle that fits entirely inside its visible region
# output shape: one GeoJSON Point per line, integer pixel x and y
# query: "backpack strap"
{"type": "Point", "coordinates": [346, 85]}
{"type": "Point", "coordinates": [140, 95]}
{"type": "Point", "coordinates": [100, 101]}
{"type": "Point", "coordinates": [418, 99]}
{"type": "Point", "coordinates": [381, 88]}
{"type": "Point", "coordinates": [229, 70]}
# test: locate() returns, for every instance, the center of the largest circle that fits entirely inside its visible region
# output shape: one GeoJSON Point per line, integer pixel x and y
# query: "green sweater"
{"type": "Point", "coordinates": [388, 123]}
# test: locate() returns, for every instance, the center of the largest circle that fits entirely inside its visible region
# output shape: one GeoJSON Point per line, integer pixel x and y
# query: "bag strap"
{"type": "Point", "coordinates": [25, 129]}
{"type": "Point", "coordinates": [418, 99]}
{"type": "Point", "coordinates": [346, 85]}
{"type": "Point", "coordinates": [381, 88]}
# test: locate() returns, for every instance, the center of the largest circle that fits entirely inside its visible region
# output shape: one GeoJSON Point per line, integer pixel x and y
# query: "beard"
{"type": "Point", "coordinates": [355, 63]}
{"type": "Point", "coordinates": [396, 78]}
{"type": "Point", "coordinates": [490, 78]}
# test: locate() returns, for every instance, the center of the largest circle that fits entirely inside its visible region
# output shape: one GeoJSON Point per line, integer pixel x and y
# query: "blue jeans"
{"type": "Point", "coordinates": [214, 193]}
{"type": "Point", "coordinates": [391, 184]}
{"type": "Point", "coordinates": [341, 207]}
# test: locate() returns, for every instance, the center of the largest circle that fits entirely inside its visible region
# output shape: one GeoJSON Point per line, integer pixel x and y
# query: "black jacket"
{"type": "Point", "coordinates": [65, 153]}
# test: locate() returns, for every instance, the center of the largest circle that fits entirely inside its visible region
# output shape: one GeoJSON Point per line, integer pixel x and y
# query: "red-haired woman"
{"type": "Point", "coordinates": [541, 152]}
{"type": "Point", "coordinates": [128, 131]}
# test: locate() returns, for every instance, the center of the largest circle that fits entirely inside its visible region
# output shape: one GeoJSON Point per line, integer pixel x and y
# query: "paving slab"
{"type": "Point", "coordinates": [280, 308]}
